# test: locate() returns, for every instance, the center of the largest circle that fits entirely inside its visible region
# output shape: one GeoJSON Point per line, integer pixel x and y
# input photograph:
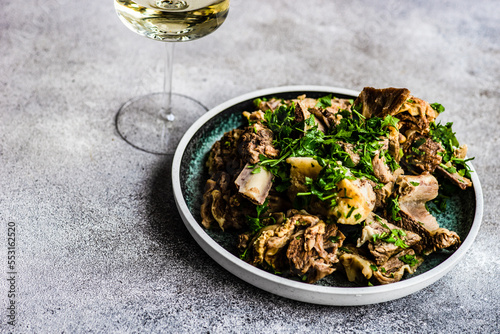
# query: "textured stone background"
{"type": "Point", "coordinates": [100, 245]}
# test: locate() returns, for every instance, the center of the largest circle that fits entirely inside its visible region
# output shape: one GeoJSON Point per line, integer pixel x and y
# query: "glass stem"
{"type": "Point", "coordinates": [166, 110]}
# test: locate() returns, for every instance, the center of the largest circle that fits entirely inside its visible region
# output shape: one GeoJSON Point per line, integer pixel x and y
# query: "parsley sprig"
{"type": "Point", "coordinates": [444, 134]}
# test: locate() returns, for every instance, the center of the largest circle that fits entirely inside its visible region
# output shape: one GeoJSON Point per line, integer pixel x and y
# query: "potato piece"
{"type": "Point", "coordinates": [301, 167]}
{"type": "Point", "coordinates": [355, 201]}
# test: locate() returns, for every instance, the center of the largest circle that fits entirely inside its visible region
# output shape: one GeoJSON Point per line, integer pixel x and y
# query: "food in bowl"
{"type": "Point", "coordinates": [317, 186]}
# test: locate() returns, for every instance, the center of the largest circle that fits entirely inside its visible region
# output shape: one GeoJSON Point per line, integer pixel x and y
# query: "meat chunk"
{"type": "Point", "coordinates": [382, 171]}
{"type": "Point", "coordinates": [330, 116]}
{"type": "Point", "coordinates": [393, 269]}
{"type": "Point", "coordinates": [395, 141]}
{"type": "Point", "coordinates": [213, 203]}
{"type": "Point", "coordinates": [422, 154]}
{"type": "Point", "coordinates": [461, 181]}
{"type": "Point", "coordinates": [223, 156]}
{"type": "Point", "coordinates": [414, 192]}
{"type": "Point", "coordinates": [350, 149]}
{"type": "Point", "coordinates": [271, 104]}
{"type": "Point", "coordinates": [302, 242]}
{"type": "Point", "coordinates": [416, 114]}
{"type": "Point", "coordinates": [270, 242]}
{"type": "Point", "coordinates": [357, 266]}
{"type": "Point", "coordinates": [382, 194]}
{"type": "Point", "coordinates": [256, 140]}
{"type": "Point", "coordinates": [313, 251]}
{"type": "Point", "coordinates": [207, 218]}
{"type": "Point", "coordinates": [222, 204]}
{"type": "Point", "coordinates": [302, 113]}
{"type": "Point", "coordinates": [385, 239]}
{"type": "Point", "coordinates": [381, 102]}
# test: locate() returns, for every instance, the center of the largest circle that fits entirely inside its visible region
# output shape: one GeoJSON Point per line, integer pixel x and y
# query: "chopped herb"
{"type": "Point", "coordinates": [444, 135]}
{"type": "Point", "coordinates": [334, 239]}
{"type": "Point", "coordinates": [419, 142]}
{"type": "Point", "coordinates": [438, 107]}
{"type": "Point", "coordinates": [393, 236]}
{"type": "Point", "coordinates": [256, 170]}
{"type": "Point", "coordinates": [244, 254]}
{"type": "Point", "coordinates": [390, 121]}
{"type": "Point", "coordinates": [450, 170]}
{"type": "Point", "coordinates": [350, 212]}
{"type": "Point", "coordinates": [413, 183]}
{"type": "Point", "coordinates": [409, 259]}
{"type": "Point", "coordinates": [394, 208]}
{"type": "Point", "coordinates": [256, 223]}
{"type": "Point", "coordinates": [324, 102]}
{"type": "Point", "coordinates": [345, 250]}
{"type": "Point", "coordinates": [417, 151]}
{"type": "Point", "coordinates": [257, 102]}
{"type": "Point", "coordinates": [373, 267]}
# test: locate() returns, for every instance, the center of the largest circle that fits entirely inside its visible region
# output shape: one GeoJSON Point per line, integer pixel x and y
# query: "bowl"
{"type": "Point", "coordinates": [189, 174]}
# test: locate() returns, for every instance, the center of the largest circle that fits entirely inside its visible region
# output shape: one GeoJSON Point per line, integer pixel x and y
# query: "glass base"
{"type": "Point", "coordinates": [142, 123]}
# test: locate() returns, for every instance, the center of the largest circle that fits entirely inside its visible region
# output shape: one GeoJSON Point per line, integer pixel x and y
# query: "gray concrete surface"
{"type": "Point", "coordinates": [100, 247]}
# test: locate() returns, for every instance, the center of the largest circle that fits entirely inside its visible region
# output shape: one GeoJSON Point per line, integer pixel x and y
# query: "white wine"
{"type": "Point", "coordinates": [171, 20]}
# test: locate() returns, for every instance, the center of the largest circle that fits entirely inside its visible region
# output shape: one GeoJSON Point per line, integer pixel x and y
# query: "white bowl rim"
{"type": "Point", "coordinates": [298, 290]}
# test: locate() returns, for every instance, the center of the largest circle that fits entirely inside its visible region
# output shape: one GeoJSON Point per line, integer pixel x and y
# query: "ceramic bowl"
{"type": "Point", "coordinates": [189, 174]}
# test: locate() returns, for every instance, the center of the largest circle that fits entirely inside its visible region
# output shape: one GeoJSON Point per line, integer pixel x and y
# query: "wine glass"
{"type": "Point", "coordinates": [155, 122]}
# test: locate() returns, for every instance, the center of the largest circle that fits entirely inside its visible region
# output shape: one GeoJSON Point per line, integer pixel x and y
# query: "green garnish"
{"type": "Point", "coordinates": [409, 259]}
{"type": "Point", "coordinates": [362, 136]}
{"type": "Point", "coordinates": [256, 223]}
{"type": "Point", "coordinates": [334, 239]}
{"type": "Point", "coordinates": [438, 107]}
{"type": "Point", "coordinates": [324, 102]}
{"type": "Point", "coordinates": [394, 236]}
{"type": "Point", "coordinates": [350, 212]}
{"type": "Point", "coordinates": [256, 170]}
{"type": "Point", "coordinates": [394, 209]}
{"type": "Point", "coordinates": [444, 135]}
{"type": "Point", "coordinates": [345, 250]}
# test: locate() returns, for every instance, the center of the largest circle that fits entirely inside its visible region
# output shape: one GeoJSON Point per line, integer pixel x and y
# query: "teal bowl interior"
{"type": "Point", "coordinates": [458, 217]}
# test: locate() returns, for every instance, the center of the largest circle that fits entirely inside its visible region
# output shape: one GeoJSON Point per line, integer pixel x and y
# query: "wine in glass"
{"type": "Point", "coordinates": [155, 122]}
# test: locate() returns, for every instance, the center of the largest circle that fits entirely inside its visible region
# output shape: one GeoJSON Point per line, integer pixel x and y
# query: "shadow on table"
{"type": "Point", "coordinates": [166, 225]}
{"type": "Point", "coordinates": [168, 229]}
